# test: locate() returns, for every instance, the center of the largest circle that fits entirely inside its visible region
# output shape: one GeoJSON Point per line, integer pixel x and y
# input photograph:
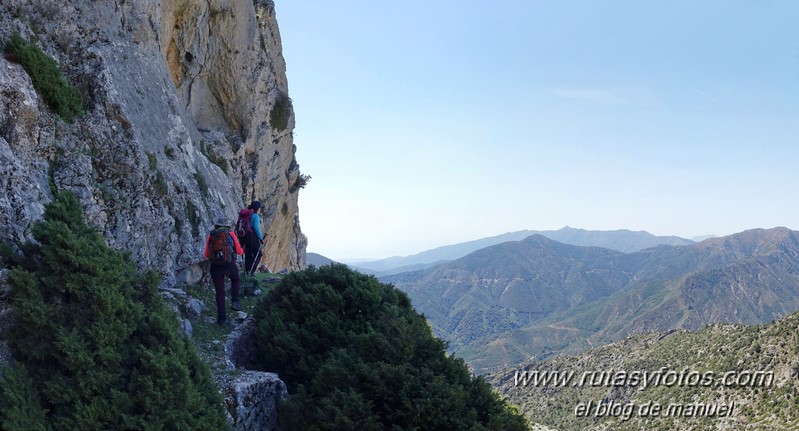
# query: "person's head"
{"type": "Point", "coordinates": [255, 206]}
{"type": "Point", "coordinates": [221, 222]}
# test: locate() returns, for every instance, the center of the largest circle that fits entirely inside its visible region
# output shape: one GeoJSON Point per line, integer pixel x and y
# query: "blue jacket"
{"type": "Point", "coordinates": [256, 226]}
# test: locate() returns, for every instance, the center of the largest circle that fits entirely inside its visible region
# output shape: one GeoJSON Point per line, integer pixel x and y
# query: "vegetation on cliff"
{"type": "Point", "coordinates": [355, 354]}
{"type": "Point", "coordinates": [281, 112]}
{"type": "Point", "coordinates": [95, 345]}
{"type": "Point", "coordinates": [47, 78]}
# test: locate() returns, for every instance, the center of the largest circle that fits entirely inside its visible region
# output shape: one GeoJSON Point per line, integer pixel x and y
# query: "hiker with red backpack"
{"type": "Point", "coordinates": [221, 249]}
{"type": "Point", "coordinates": [248, 229]}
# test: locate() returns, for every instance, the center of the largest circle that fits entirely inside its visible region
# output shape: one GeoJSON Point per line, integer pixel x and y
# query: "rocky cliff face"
{"type": "Point", "coordinates": [178, 129]}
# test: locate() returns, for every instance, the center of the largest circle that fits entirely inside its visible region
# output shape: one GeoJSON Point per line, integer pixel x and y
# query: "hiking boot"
{"type": "Point", "coordinates": [235, 306]}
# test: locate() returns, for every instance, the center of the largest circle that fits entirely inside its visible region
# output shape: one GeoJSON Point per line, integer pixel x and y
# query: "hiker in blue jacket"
{"type": "Point", "coordinates": [252, 250]}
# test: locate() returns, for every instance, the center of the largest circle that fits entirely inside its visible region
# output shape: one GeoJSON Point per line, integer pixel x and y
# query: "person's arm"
{"type": "Point", "coordinates": [236, 245]}
{"type": "Point", "coordinates": [207, 242]}
{"type": "Point", "coordinates": [256, 226]}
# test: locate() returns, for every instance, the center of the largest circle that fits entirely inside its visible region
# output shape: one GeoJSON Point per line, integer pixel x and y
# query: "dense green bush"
{"type": "Point", "coordinates": [20, 408]}
{"type": "Point", "coordinates": [281, 112]}
{"type": "Point", "coordinates": [46, 76]}
{"type": "Point", "coordinates": [356, 355]}
{"type": "Point", "coordinates": [96, 347]}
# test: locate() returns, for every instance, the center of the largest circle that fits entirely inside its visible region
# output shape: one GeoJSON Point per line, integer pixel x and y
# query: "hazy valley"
{"type": "Point", "coordinates": [536, 305]}
{"type": "Point", "coordinates": [539, 298]}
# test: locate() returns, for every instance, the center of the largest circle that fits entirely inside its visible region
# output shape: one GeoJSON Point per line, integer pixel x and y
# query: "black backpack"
{"type": "Point", "coordinates": [221, 247]}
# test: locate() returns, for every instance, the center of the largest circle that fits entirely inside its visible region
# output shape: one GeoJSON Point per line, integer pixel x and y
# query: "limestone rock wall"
{"type": "Point", "coordinates": [177, 130]}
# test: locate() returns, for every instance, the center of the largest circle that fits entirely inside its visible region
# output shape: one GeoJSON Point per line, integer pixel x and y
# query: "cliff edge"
{"type": "Point", "coordinates": [187, 118]}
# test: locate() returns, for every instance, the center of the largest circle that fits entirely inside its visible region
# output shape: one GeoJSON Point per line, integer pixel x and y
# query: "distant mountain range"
{"type": "Point", "coordinates": [759, 394]}
{"type": "Point", "coordinates": [538, 297]}
{"type": "Point", "coordinates": [702, 238]}
{"type": "Point", "coordinates": [621, 240]}
{"type": "Point", "coordinates": [317, 260]}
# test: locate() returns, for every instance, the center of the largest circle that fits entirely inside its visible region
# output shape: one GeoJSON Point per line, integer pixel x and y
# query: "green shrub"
{"type": "Point", "coordinates": [201, 183]}
{"type": "Point", "coordinates": [159, 185]}
{"type": "Point", "coordinates": [355, 355]}
{"type": "Point", "coordinates": [219, 161]}
{"type": "Point", "coordinates": [215, 158]}
{"type": "Point", "coordinates": [95, 345]}
{"type": "Point", "coordinates": [152, 161]}
{"type": "Point", "coordinates": [47, 78]}
{"type": "Point", "coordinates": [193, 218]}
{"type": "Point", "coordinates": [281, 112]}
{"type": "Point", "coordinates": [178, 224]}
{"type": "Point", "coordinates": [299, 183]}
{"type": "Point", "coordinates": [20, 406]}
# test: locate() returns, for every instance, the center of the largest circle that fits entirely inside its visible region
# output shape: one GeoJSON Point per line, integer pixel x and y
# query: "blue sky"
{"type": "Point", "coordinates": [426, 123]}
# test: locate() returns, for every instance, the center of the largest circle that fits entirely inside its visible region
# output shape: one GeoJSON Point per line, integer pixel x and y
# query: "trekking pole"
{"type": "Point", "coordinates": [256, 259]}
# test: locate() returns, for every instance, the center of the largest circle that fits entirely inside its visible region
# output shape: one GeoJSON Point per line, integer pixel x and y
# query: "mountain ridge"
{"type": "Point", "coordinates": [484, 304]}
{"type": "Point", "coordinates": [623, 240]}
{"type": "Point", "coordinates": [317, 260]}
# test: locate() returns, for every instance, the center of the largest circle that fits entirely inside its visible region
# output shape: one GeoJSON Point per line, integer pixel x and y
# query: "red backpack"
{"type": "Point", "coordinates": [221, 247]}
{"type": "Point", "coordinates": [244, 223]}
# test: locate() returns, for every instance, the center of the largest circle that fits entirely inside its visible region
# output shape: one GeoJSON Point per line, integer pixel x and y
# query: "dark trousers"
{"type": "Point", "coordinates": [218, 274]}
{"type": "Point", "coordinates": [252, 248]}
